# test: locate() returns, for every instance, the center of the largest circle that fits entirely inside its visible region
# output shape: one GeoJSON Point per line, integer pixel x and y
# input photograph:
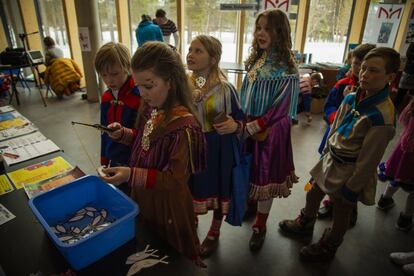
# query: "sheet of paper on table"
{"type": "Point", "coordinates": [5, 215]}
{"type": "Point", "coordinates": [26, 147]}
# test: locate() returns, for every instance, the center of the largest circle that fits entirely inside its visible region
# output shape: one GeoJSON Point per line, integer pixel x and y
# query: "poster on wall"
{"type": "Point", "coordinates": [84, 40]}
{"type": "Point", "coordinates": [382, 24]}
{"type": "Point", "coordinates": [283, 5]}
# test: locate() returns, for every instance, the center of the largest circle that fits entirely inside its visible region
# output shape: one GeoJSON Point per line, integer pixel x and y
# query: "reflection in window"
{"type": "Point", "coordinates": [108, 21]}
{"type": "Point", "coordinates": [327, 31]}
{"type": "Point", "coordinates": [52, 21]}
{"type": "Point", "coordinates": [249, 27]}
{"type": "Point", "coordinates": [149, 7]}
{"type": "Point", "coordinates": [212, 21]}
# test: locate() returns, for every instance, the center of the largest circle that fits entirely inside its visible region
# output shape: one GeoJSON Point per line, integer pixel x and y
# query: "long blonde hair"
{"type": "Point", "coordinates": [278, 24]}
{"type": "Point", "coordinates": [214, 50]}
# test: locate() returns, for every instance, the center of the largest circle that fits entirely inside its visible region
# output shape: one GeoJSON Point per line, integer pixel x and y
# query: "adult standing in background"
{"type": "Point", "coordinates": [168, 27]}
{"type": "Point", "coordinates": [147, 31]}
{"type": "Point", "coordinates": [52, 51]}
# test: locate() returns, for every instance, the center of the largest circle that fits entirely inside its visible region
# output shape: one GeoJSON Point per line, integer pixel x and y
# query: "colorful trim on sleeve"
{"type": "Point", "coordinates": [143, 177]}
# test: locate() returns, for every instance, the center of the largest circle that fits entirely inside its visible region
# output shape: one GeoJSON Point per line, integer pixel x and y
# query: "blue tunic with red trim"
{"type": "Point", "coordinates": [123, 110]}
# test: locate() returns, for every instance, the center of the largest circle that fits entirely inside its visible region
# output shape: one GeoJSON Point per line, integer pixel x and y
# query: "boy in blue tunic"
{"type": "Point", "coordinates": [360, 133]}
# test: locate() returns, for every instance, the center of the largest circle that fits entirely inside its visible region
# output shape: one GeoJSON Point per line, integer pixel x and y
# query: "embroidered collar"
{"type": "Point", "coordinates": [129, 83]}
{"type": "Point", "coordinates": [156, 119]}
{"type": "Point", "coordinates": [360, 108]}
{"type": "Point", "coordinates": [252, 74]}
{"type": "Point", "coordinates": [202, 87]}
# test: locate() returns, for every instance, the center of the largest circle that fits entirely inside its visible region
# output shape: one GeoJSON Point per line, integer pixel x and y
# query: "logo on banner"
{"type": "Point", "coordinates": [283, 5]}
{"type": "Point", "coordinates": [389, 13]}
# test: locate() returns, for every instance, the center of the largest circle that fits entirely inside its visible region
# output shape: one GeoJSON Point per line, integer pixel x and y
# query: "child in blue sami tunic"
{"type": "Point", "coordinates": [360, 133]}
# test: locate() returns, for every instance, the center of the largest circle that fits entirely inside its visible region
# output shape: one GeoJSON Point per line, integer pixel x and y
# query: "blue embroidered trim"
{"type": "Point", "coordinates": [366, 107]}
{"type": "Point", "coordinates": [348, 194]}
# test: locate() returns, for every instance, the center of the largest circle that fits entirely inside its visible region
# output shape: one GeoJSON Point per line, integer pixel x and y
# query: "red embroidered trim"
{"type": "Point", "coordinates": [104, 160]}
{"type": "Point", "coordinates": [151, 178]}
{"type": "Point", "coordinates": [138, 177]}
{"type": "Point", "coordinates": [261, 123]}
{"type": "Point", "coordinates": [331, 117]}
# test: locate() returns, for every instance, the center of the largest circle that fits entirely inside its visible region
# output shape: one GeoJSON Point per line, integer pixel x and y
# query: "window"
{"type": "Point", "coordinates": [251, 19]}
{"type": "Point", "coordinates": [149, 7]}
{"type": "Point", "coordinates": [52, 23]}
{"type": "Point", "coordinates": [108, 21]}
{"type": "Point", "coordinates": [327, 31]}
{"type": "Point", "coordinates": [212, 21]}
{"type": "Point", "coordinates": [14, 22]}
{"type": "Point", "coordinates": [382, 23]}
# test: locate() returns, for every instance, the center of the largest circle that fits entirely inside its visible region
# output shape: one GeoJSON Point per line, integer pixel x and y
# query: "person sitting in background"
{"type": "Point", "coordinates": [319, 90]}
{"type": "Point", "coordinates": [52, 51]}
{"type": "Point", "coordinates": [64, 76]}
{"type": "Point", "coordinates": [147, 31]}
{"type": "Point", "coordinates": [168, 27]}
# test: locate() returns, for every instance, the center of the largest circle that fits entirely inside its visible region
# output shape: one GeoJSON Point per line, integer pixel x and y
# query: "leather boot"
{"type": "Point", "coordinates": [301, 226]}
{"type": "Point", "coordinates": [322, 251]}
{"type": "Point", "coordinates": [208, 246]}
{"type": "Point", "coordinates": [257, 239]}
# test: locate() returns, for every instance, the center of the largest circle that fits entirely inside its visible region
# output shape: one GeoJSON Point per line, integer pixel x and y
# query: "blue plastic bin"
{"type": "Point", "coordinates": [56, 205]}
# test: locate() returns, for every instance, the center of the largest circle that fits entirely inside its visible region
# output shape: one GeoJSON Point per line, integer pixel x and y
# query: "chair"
{"type": "Point", "coordinates": [18, 73]}
{"type": "Point", "coordinates": [48, 88]}
{"type": "Point", "coordinates": [20, 77]}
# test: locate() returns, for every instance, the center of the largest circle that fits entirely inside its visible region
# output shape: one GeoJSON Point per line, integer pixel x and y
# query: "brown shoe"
{"type": "Point", "coordinates": [257, 240]}
{"type": "Point", "coordinates": [302, 226]}
{"type": "Point", "coordinates": [322, 251]}
{"type": "Point", "coordinates": [208, 246]}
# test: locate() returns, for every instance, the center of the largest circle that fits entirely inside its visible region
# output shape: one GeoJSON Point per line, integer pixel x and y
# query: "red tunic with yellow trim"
{"type": "Point", "coordinates": [122, 109]}
{"type": "Point", "coordinates": [160, 174]}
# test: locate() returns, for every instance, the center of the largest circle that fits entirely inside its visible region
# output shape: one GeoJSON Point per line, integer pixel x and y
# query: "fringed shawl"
{"type": "Point", "coordinates": [269, 89]}
{"type": "Point", "coordinates": [164, 142]}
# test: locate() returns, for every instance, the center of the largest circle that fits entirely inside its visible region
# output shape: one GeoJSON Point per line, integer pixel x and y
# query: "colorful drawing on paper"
{"type": "Point", "coordinates": [40, 171]}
